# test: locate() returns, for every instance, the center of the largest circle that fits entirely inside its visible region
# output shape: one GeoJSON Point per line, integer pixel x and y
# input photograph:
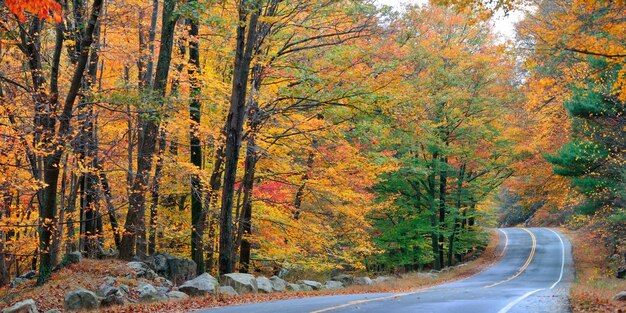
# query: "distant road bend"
{"type": "Point", "coordinates": [532, 276]}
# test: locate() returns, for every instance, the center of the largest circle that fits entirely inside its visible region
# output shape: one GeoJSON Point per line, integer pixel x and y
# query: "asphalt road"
{"type": "Point", "coordinates": [532, 276]}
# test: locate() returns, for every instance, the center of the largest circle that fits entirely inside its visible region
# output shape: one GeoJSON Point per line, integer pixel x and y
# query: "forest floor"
{"type": "Point", "coordinates": [595, 284]}
{"type": "Point", "coordinates": [89, 274]}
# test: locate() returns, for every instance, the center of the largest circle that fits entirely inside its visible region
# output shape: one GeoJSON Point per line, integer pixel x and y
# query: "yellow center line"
{"type": "Point", "coordinates": [523, 268]}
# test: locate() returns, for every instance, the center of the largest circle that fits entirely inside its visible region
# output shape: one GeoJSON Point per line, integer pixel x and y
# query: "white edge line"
{"type": "Point", "coordinates": [562, 258]}
{"type": "Point", "coordinates": [506, 241]}
{"type": "Point", "coordinates": [530, 293]}
{"type": "Point", "coordinates": [510, 305]}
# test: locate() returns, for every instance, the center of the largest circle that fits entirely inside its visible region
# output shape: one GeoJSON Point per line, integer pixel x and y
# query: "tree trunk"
{"type": "Point", "coordinates": [198, 214]}
{"type": "Point", "coordinates": [433, 219]}
{"type": "Point", "coordinates": [234, 126]}
{"type": "Point", "coordinates": [134, 238]}
{"type": "Point", "coordinates": [106, 190]}
{"type": "Point", "coordinates": [443, 179]}
{"type": "Point", "coordinates": [456, 225]}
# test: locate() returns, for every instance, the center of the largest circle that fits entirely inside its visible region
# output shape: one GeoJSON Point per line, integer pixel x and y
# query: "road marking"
{"type": "Point", "coordinates": [523, 268]}
{"type": "Point", "coordinates": [398, 295]}
{"type": "Point", "coordinates": [562, 258]}
{"type": "Point", "coordinates": [506, 241]}
{"type": "Point", "coordinates": [528, 294]}
{"type": "Point", "coordinates": [516, 301]}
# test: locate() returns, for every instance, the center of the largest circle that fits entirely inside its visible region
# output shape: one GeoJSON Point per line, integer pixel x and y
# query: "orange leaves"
{"type": "Point", "coordinates": [44, 9]}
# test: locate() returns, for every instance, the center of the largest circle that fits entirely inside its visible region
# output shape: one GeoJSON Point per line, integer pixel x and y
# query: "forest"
{"type": "Point", "coordinates": [310, 135]}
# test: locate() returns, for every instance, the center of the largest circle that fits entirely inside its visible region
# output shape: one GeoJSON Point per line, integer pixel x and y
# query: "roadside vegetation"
{"type": "Point", "coordinates": [309, 137]}
{"type": "Point", "coordinates": [595, 284]}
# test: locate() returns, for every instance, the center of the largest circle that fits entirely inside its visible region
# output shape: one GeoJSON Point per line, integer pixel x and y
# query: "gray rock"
{"type": "Point", "coordinates": [16, 282]}
{"type": "Point", "coordinates": [311, 283]}
{"type": "Point", "coordinates": [620, 296]}
{"type": "Point", "coordinates": [345, 279]}
{"type": "Point", "coordinates": [427, 275]}
{"type": "Point", "coordinates": [110, 295]}
{"type": "Point", "coordinates": [163, 282]}
{"type": "Point", "coordinates": [124, 288]}
{"type": "Point", "coordinates": [53, 311]}
{"type": "Point", "coordinates": [201, 285]}
{"type": "Point", "coordinates": [283, 272]}
{"type": "Point", "coordinates": [178, 270]}
{"type": "Point", "coordinates": [382, 279]}
{"type": "Point", "coordinates": [73, 257]}
{"type": "Point", "coordinates": [177, 295]}
{"type": "Point", "coordinates": [228, 290]}
{"type": "Point", "coordinates": [147, 293]}
{"type": "Point", "coordinates": [362, 281]}
{"type": "Point", "coordinates": [304, 287]}
{"type": "Point", "coordinates": [28, 275]}
{"type": "Point", "coordinates": [278, 284]}
{"type": "Point", "coordinates": [26, 306]}
{"type": "Point", "coordinates": [241, 282]}
{"type": "Point", "coordinates": [293, 287]}
{"type": "Point", "coordinates": [141, 269]}
{"type": "Point", "coordinates": [110, 280]}
{"type": "Point", "coordinates": [81, 299]}
{"type": "Point", "coordinates": [332, 284]}
{"type": "Point", "coordinates": [264, 284]}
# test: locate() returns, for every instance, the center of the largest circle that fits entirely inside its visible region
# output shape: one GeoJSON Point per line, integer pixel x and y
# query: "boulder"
{"type": "Point", "coordinates": [241, 282]}
{"type": "Point", "coordinates": [178, 270]}
{"type": "Point", "coordinates": [311, 283]}
{"type": "Point", "coordinates": [362, 281]}
{"type": "Point", "coordinates": [382, 279]}
{"type": "Point", "coordinates": [283, 272]}
{"type": "Point", "coordinates": [124, 288]}
{"type": "Point", "coordinates": [264, 285]}
{"type": "Point", "coordinates": [110, 295]}
{"type": "Point", "coordinates": [73, 257]}
{"type": "Point", "coordinates": [141, 269]}
{"type": "Point", "coordinates": [26, 306]}
{"type": "Point", "coordinates": [201, 285]}
{"type": "Point", "coordinates": [621, 272]}
{"type": "Point", "coordinates": [620, 296]}
{"type": "Point", "coordinates": [345, 279]}
{"type": "Point", "coordinates": [16, 282]}
{"type": "Point", "coordinates": [278, 284]}
{"type": "Point", "coordinates": [304, 287]}
{"type": "Point", "coordinates": [163, 282]}
{"type": "Point", "coordinates": [332, 284]}
{"type": "Point", "coordinates": [427, 275]}
{"type": "Point", "coordinates": [28, 275]}
{"type": "Point", "coordinates": [147, 293]}
{"type": "Point", "coordinates": [227, 290]}
{"type": "Point", "coordinates": [293, 287]}
{"type": "Point", "coordinates": [81, 299]}
{"type": "Point", "coordinates": [177, 295]}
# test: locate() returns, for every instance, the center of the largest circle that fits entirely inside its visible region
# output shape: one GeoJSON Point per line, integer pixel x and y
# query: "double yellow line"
{"type": "Point", "coordinates": [523, 268]}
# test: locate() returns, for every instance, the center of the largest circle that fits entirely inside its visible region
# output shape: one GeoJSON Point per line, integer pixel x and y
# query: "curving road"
{"type": "Point", "coordinates": [532, 276]}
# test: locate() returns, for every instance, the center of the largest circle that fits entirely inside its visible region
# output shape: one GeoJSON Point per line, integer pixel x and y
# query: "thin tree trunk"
{"type": "Point", "coordinates": [134, 238]}
{"type": "Point", "coordinates": [234, 126]}
{"type": "Point", "coordinates": [443, 180]}
{"type": "Point", "coordinates": [198, 214]}
{"type": "Point", "coordinates": [457, 222]}
{"type": "Point", "coordinates": [432, 192]}
{"type": "Point", "coordinates": [108, 198]}
{"type": "Point", "coordinates": [51, 164]}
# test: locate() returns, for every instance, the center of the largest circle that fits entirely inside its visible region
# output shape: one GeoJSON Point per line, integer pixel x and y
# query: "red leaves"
{"type": "Point", "coordinates": [44, 9]}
